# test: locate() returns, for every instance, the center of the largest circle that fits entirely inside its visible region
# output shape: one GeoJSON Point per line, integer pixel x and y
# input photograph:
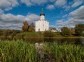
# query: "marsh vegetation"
{"type": "Point", "coordinates": [20, 51]}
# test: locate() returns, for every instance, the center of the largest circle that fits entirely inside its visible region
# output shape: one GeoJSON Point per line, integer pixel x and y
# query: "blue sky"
{"type": "Point", "coordinates": [59, 13]}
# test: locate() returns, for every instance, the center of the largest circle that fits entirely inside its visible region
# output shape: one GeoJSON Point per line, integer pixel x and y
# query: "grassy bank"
{"type": "Point", "coordinates": [19, 51]}
{"type": "Point", "coordinates": [65, 52]}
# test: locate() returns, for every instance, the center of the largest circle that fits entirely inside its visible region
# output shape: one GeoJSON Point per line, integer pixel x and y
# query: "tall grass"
{"type": "Point", "coordinates": [65, 52]}
{"type": "Point", "coordinates": [19, 51]}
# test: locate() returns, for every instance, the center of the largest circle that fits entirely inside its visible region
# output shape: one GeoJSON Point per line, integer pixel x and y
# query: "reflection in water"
{"type": "Point", "coordinates": [82, 40]}
{"type": "Point", "coordinates": [66, 40]}
{"type": "Point", "coordinates": [60, 40]}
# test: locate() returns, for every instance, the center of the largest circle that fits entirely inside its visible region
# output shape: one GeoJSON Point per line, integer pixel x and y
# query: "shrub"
{"type": "Point", "coordinates": [48, 36]}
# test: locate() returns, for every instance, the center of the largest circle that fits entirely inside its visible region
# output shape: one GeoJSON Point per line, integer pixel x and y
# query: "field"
{"type": "Point", "coordinates": [20, 51]}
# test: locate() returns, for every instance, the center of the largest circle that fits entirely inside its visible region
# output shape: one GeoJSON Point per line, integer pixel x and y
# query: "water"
{"type": "Point", "coordinates": [73, 40]}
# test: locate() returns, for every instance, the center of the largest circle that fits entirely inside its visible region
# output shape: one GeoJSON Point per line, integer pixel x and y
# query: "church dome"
{"type": "Point", "coordinates": [42, 13]}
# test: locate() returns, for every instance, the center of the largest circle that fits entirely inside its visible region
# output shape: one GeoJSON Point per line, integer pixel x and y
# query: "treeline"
{"type": "Point", "coordinates": [77, 31]}
{"type": "Point", "coordinates": [28, 28]}
{"type": "Point", "coordinates": [8, 34]}
{"type": "Point", "coordinates": [65, 31]}
{"type": "Point", "coordinates": [27, 36]}
{"type": "Point", "coordinates": [28, 33]}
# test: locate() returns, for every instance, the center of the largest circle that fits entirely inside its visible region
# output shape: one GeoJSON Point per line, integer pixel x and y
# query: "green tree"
{"type": "Point", "coordinates": [48, 36]}
{"type": "Point", "coordinates": [1, 32]}
{"type": "Point", "coordinates": [65, 31]}
{"type": "Point", "coordinates": [25, 26]}
{"type": "Point", "coordinates": [31, 28]}
{"type": "Point", "coordinates": [79, 29]}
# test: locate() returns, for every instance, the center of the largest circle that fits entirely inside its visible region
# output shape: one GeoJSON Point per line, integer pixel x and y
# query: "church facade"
{"type": "Point", "coordinates": [42, 24]}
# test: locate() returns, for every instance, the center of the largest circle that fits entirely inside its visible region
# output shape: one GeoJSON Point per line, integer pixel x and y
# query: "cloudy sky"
{"type": "Point", "coordinates": [59, 13]}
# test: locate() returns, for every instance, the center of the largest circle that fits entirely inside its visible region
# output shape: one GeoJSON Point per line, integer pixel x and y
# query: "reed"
{"type": "Point", "coordinates": [20, 51]}
{"type": "Point", "coordinates": [17, 51]}
{"type": "Point", "coordinates": [65, 52]}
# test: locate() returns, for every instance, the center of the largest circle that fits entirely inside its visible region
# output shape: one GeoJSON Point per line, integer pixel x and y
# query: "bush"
{"type": "Point", "coordinates": [29, 36]}
{"type": "Point", "coordinates": [65, 31]}
{"type": "Point", "coordinates": [48, 36]}
{"type": "Point", "coordinates": [79, 29]}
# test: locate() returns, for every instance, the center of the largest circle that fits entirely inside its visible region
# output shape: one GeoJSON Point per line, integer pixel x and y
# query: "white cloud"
{"type": "Point", "coordinates": [32, 17]}
{"type": "Point", "coordinates": [5, 4]}
{"type": "Point", "coordinates": [10, 21]}
{"type": "Point", "coordinates": [78, 13]}
{"type": "Point", "coordinates": [50, 7]}
{"type": "Point", "coordinates": [52, 0]}
{"type": "Point", "coordinates": [1, 11]}
{"type": "Point", "coordinates": [33, 2]}
{"type": "Point", "coordinates": [67, 7]}
{"type": "Point", "coordinates": [69, 23]}
{"type": "Point", "coordinates": [39, 1]}
{"type": "Point", "coordinates": [59, 23]}
{"type": "Point", "coordinates": [76, 17]}
{"type": "Point", "coordinates": [77, 3]}
{"type": "Point", "coordinates": [27, 2]}
{"type": "Point", "coordinates": [60, 2]}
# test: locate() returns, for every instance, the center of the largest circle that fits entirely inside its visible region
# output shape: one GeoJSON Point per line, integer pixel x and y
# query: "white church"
{"type": "Point", "coordinates": [42, 24]}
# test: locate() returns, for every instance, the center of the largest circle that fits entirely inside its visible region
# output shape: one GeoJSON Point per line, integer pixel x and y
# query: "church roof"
{"type": "Point", "coordinates": [42, 13]}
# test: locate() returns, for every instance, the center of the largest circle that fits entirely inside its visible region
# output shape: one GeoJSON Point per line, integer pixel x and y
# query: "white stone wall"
{"type": "Point", "coordinates": [42, 18]}
{"type": "Point", "coordinates": [41, 26]}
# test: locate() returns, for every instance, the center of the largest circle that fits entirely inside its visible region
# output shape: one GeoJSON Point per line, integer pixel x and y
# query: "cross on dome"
{"type": "Point", "coordinates": [42, 13]}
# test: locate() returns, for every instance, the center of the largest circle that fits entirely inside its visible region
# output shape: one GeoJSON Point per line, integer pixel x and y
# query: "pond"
{"type": "Point", "coordinates": [73, 40]}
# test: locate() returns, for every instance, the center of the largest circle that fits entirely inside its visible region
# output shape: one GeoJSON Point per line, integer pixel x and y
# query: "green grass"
{"type": "Point", "coordinates": [19, 51]}
{"type": "Point", "coordinates": [66, 52]}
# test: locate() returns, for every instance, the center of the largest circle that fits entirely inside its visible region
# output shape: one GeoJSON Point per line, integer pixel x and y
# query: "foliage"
{"type": "Point", "coordinates": [8, 34]}
{"type": "Point", "coordinates": [25, 26]}
{"type": "Point", "coordinates": [48, 36]}
{"type": "Point", "coordinates": [29, 36]}
{"type": "Point", "coordinates": [65, 31]}
{"type": "Point", "coordinates": [79, 29]}
{"type": "Point", "coordinates": [31, 28]}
